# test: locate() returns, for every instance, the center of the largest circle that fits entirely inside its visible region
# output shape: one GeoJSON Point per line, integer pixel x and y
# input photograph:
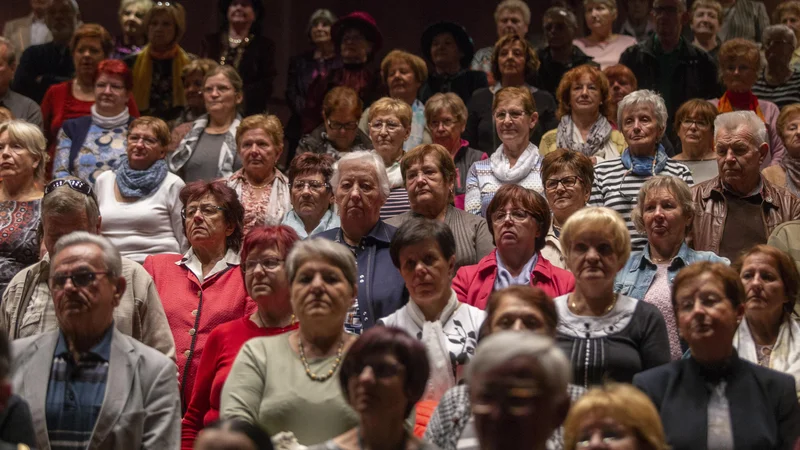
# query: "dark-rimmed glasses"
{"type": "Point", "coordinates": [568, 182]}
{"type": "Point", "coordinates": [266, 264]}
{"type": "Point", "coordinates": [336, 126]}
{"type": "Point", "coordinates": [79, 280]}
{"type": "Point", "coordinates": [517, 215]}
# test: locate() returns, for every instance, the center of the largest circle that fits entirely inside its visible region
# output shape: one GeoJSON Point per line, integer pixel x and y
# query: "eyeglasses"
{"type": "Point", "coordinates": [516, 215]}
{"type": "Point", "coordinates": [568, 182]}
{"type": "Point", "coordinates": [665, 10]}
{"type": "Point", "coordinates": [515, 114]}
{"type": "Point", "coordinates": [221, 89]}
{"type": "Point", "coordinates": [700, 124]}
{"type": "Point", "coordinates": [147, 141]}
{"type": "Point", "coordinates": [266, 264]}
{"type": "Point", "coordinates": [315, 186]}
{"type": "Point", "coordinates": [206, 210]}
{"type": "Point", "coordinates": [336, 126]}
{"type": "Point", "coordinates": [446, 123]}
{"type": "Point", "coordinates": [80, 279]}
{"type": "Point", "coordinates": [380, 369]}
{"type": "Point", "coordinates": [391, 126]}
{"type": "Point", "coordinates": [76, 185]}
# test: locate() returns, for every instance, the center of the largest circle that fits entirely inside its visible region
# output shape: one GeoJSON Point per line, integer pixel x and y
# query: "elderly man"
{"type": "Point", "coordinates": [90, 386]}
{"type": "Point", "coordinates": [739, 208]}
{"type": "Point", "coordinates": [361, 187]}
{"type": "Point", "coordinates": [31, 29]}
{"type": "Point", "coordinates": [27, 308]}
{"type": "Point", "coordinates": [42, 66]}
{"type": "Point", "coordinates": [511, 17]}
{"type": "Point", "coordinates": [20, 106]}
{"type": "Point", "coordinates": [639, 21]}
{"type": "Point", "coordinates": [560, 55]}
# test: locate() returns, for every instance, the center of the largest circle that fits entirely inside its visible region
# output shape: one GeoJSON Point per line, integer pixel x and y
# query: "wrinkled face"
{"type": "Point", "coordinates": [216, 439]}
{"type": "Point", "coordinates": [358, 193]}
{"type": "Point", "coordinates": [144, 149]}
{"type": "Point", "coordinates": [515, 314]}
{"type": "Point", "coordinates": [705, 21]}
{"type": "Point", "coordinates": [640, 128]}
{"type": "Point", "coordinates": [639, 9]}
{"type": "Point", "coordinates": [558, 32]}
{"type": "Point", "coordinates": [791, 20]}
{"type": "Point", "coordinates": [444, 50]}
{"type": "Point", "coordinates": [669, 16]}
{"type": "Point", "coordinates": [259, 152]}
{"type": "Point", "coordinates": [426, 272]}
{"type": "Point", "coordinates": [739, 74]}
{"type": "Point", "coordinates": [515, 230]}
{"type": "Point", "coordinates": [15, 159]}
{"type": "Point", "coordinates": [599, 16]}
{"type": "Point", "coordinates": [706, 317]}
{"type": "Point", "coordinates": [220, 96]}
{"type": "Point", "coordinates": [593, 259]}
{"type": "Point", "coordinates": [664, 219]}
{"type": "Point", "coordinates": [778, 51]}
{"type": "Point", "coordinates": [162, 30]}
{"type": "Point", "coordinates": [513, 124]}
{"type": "Point", "coordinates": [511, 22]}
{"type": "Point", "coordinates": [388, 134]}
{"type": "Point", "coordinates": [265, 277]}
{"type": "Point", "coordinates": [790, 134]}
{"type": "Point", "coordinates": [87, 55]}
{"type": "Point", "coordinates": [321, 291]}
{"type": "Point", "coordinates": [426, 186]}
{"type": "Point", "coordinates": [321, 32]}
{"type": "Point", "coordinates": [378, 385]}
{"type": "Point", "coordinates": [446, 129]}
{"type": "Point", "coordinates": [620, 87]}
{"type": "Point", "coordinates": [738, 158]}
{"type": "Point", "coordinates": [696, 131]}
{"type": "Point", "coordinates": [401, 80]}
{"type": "Point", "coordinates": [193, 87]}
{"type": "Point", "coordinates": [603, 432]}
{"type": "Point", "coordinates": [241, 12]}
{"type": "Point", "coordinates": [131, 20]}
{"type": "Point", "coordinates": [355, 46]}
{"type": "Point", "coordinates": [511, 59]}
{"type": "Point", "coordinates": [6, 70]}
{"type": "Point", "coordinates": [60, 19]}
{"type": "Point", "coordinates": [56, 226]}
{"type": "Point", "coordinates": [763, 285]}
{"type": "Point", "coordinates": [311, 195]}
{"type": "Point", "coordinates": [585, 96]}
{"type": "Point", "coordinates": [566, 192]}
{"type": "Point", "coordinates": [110, 93]}
{"type": "Point", "coordinates": [341, 127]}
{"type": "Point", "coordinates": [205, 223]}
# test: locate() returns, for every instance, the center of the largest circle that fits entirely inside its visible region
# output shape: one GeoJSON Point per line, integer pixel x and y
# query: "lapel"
{"type": "Point", "coordinates": [24, 32]}
{"type": "Point", "coordinates": [487, 268]}
{"type": "Point", "coordinates": [121, 367]}
{"type": "Point", "coordinates": [35, 382]}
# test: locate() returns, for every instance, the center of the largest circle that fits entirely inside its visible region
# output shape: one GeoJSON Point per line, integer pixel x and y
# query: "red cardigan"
{"type": "Point", "coordinates": [222, 346]}
{"type": "Point", "coordinates": [194, 310]}
{"type": "Point", "coordinates": [473, 284]}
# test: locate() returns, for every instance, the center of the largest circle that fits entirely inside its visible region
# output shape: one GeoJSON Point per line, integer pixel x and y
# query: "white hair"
{"type": "Point", "coordinates": [778, 31]}
{"type": "Point", "coordinates": [732, 120]}
{"type": "Point", "coordinates": [645, 97]}
{"type": "Point", "coordinates": [369, 157]}
{"type": "Point", "coordinates": [316, 249]}
{"type": "Point", "coordinates": [111, 255]}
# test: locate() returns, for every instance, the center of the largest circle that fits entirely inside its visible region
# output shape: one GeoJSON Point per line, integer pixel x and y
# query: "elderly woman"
{"type": "Point", "coordinates": [262, 188]}
{"type": "Point", "coordinates": [339, 132]}
{"type": "Point", "coordinates": [203, 288]}
{"type": "Point", "coordinates": [739, 65]}
{"type": "Point", "coordinates": [383, 375]}
{"type": "Point", "coordinates": [567, 177]}
{"type": "Point", "coordinates": [514, 61]}
{"type": "Point", "coordinates": [704, 21]}
{"type": "Point", "coordinates": [22, 163]}
{"type": "Point", "coordinates": [289, 383]}
{"type": "Point", "coordinates": [694, 122]}
{"type": "Point", "coordinates": [518, 219]}
{"type": "Point", "coordinates": [158, 67]}
{"type": "Point", "coordinates": [192, 77]}
{"type": "Point", "coordinates": [239, 43]}
{"type": "Point", "coordinates": [449, 49]}
{"type": "Point", "coordinates": [263, 254]}
{"type": "Point", "coordinates": [607, 335]}
{"type": "Point", "coordinates": [769, 334]}
{"type": "Point", "coordinates": [602, 43]}
{"type": "Point", "coordinates": [788, 13]}
{"type": "Point", "coordinates": [312, 195]}
{"type": "Point", "coordinates": [614, 416]}
{"type": "Point", "coordinates": [389, 127]}
{"type": "Point", "coordinates": [209, 150]}
{"type": "Point", "coordinates": [424, 252]}
{"type": "Point", "coordinates": [90, 145]}
{"type": "Point", "coordinates": [131, 15]}
{"type": "Point", "coordinates": [642, 117]}
{"type": "Point", "coordinates": [664, 212]}
{"type": "Point", "coordinates": [360, 188]}
{"type": "Point", "coordinates": [429, 174]}
{"type": "Point", "coordinates": [516, 160]}
{"type": "Point", "coordinates": [715, 396]}
{"type": "Point", "coordinates": [446, 116]}
{"type": "Point", "coordinates": [787, 173]}
{"type": "Point", "coordinates": [510, 17]}
{"type": "Point", "coordinates": [584, 108]}
{"type": "Point", "coordinates": [404, 73]}
{"type": "Point", "coordinates": [139, 200]}
{"type": "Point", "coordinates": [780, 81]}
{"type": "Point", "coordinates": [621, 82]}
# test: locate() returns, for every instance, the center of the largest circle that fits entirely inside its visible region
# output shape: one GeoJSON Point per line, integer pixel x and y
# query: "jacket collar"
{"type": "Point", "coordinates": [714, 187]}
{"type": "Point", "coordinates": [652, 47]}
{"type": "Point", "coordinates": [542, 269]}
{"type": "Point", "coordinates": [640, 259]}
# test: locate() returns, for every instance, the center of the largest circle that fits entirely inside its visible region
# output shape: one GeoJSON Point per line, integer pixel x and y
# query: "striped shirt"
{"type": "Point", "coordinates": [782, 95]}
{"type": "Point", "coordinates": [482, 184]}
{"type": "Point", "coordinates": [616, 188]}
{"type": "Point", "coordinates": [396, 204]}
{"type": "Point", "coordinates": [745, 19]}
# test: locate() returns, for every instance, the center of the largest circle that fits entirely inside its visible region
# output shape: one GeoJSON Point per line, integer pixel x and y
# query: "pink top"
{"type": "Point", "coordinates": [605, 53]}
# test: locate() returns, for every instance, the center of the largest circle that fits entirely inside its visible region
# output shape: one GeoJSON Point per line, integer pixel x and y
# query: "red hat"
{"type": "Point", "coordinates": [364, 22]}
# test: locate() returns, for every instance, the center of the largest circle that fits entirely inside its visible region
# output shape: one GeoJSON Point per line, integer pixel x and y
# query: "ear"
{"type": "Point", "coordinates": [452, 266]}
{"type": "Point", "coordinates": [587, 193]}
{"type": "Point", "coordinates": [763, 150]}
{"type": "Point", "coordinates": [239, 98]}
{"type": "Point", "coordinates": [534, 119]}
{"type": "Point", "coordinates": [119, 290]}
{"type": "Point", "coordinates": [229, 229]}
{"type": "Point", "coordinates": [408, 132]}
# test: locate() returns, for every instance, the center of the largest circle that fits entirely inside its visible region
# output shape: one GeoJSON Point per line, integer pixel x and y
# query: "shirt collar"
{"type": "Point", "coordinates": [101, 350]}
{"type": "Point", "coordinates": [683, 253]}
{"type": "Point", "coordinates": [378, 233]}
{"type": "Point", "coordinates": [191, 262]}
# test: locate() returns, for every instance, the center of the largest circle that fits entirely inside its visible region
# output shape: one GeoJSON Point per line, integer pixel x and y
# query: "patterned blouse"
{"type": "Point", "coordinates": [100, 152]}
{"type": "Point", "coordinates": [19, 245]}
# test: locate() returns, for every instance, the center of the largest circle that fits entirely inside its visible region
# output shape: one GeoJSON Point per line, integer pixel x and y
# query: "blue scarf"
{"type": "Point", "coordinates": [645, 165]}
{"type": "Point", "coordinates": [139, 183]}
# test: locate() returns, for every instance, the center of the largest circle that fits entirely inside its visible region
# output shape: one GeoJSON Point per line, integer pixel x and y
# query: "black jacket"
{"type": "Point", "coordinates": [16, 424]}
{"type": "Point", "coordinates": [464, 84]}
{"type": "Point", "coordinates": [40, 67]}
{"type": "Point", "coordinates": [551, 71]}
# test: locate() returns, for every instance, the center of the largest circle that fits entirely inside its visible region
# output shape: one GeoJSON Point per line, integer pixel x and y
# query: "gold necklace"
{"type": "Point", "coordinates": [608, 309]}
{"type": "Point", "coordinates": [314, 376]}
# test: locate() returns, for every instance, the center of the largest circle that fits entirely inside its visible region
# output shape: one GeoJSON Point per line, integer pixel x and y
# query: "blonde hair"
{"type": "Point", "coordinates": [175, 11]}
{"type": "Point", "coordinates": [675, 186]}
{"type": "Point", "coordinates": [30, 137]}
{"type": "Point", "coordinates": [145, 5]}
{"type": "Point", "coordinates": [787, 113]}
{"type": "Point", "coordinates": [388, 105]}
{"type": "Point", "coordinates": [159, 128]}
{"type": "Point", "coordinates": [519, 93]}
{"type": "Point", "coordinates": [446, 101]}
{"type": "Point", "coordinates": [597, 218]}
{"type": "Point", "coordinates": [416, 64]}
{"type": "Point", "coordinates": [269, 123]}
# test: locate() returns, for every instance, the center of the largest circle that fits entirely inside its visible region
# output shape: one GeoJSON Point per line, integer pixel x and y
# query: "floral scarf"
{"type": "Point", "coordinates": [599, 134]}
{"type": "Point", "coordinates": [139, 183]}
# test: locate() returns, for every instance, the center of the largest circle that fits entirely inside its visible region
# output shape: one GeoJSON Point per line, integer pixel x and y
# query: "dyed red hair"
{"type": "Point", "coordinates": [115, 68]}
{"type": "Point", "coordinates": [281, 237]}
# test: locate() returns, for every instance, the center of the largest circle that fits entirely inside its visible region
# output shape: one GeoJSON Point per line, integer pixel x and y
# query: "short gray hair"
{"type": "Point", "coordinates": [563, 13]}
{"type": "Point", "coordinates": [369, 157]}
{"type": "Point", "coordinates": [732, 120]}
{"type": "Point", "coordinates": [776, 31]}
{"type": "Point", "coordinates": [74, 4]}
{"type": "Point", "coordinates": [676, 186]}
{"type": "Point", "coordinates": [645, 97]}
{"type": "Point", "coordinates": [65, 201]}
{"type": "Point", "coordinates": [11, 52]}
{"type": "Point", "coordinates": [111, 255]}
{"type": "Point", "coordinates": [29, 136]}
{"type": "Point", "coordinates": [319, 248]}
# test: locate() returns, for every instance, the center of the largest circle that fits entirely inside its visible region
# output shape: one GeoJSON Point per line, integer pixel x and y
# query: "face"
{"type": "Point", "coordinates": [620, 87]}
{"type": "Point", "coordinates": [355, 46]}
{"type": "Point", "coordinates": [513, 124]}
{"type": "Point", "coordinates": [311, 196]}
{"type": "Point", "coordinates": [341, 128]}
{"type": "Point", "coordinates": [444, 50]}
{"type": "Point", "coordinates": [60, 19]}
{"type": "Point", "coordinates": [599, 16]}
{"type": "Point", "coordinates": [205, 224]}
{"type": "Point", "coordinates": [640, 129]}
{"type": "Point", "coordinates": [592, 258]}
{"type": "Point", "coordinates": [791, 20]}
{"type": "Point", "coordinates": [321, 32]}
{"type": "Point", "coordinates": [144, 148]}
{"type": "Point", "coordinates": [515, 230]}
{"type": "Point", "coordinates": [706, 318]}
{"type": "Point", "coordinates": [696, 132]}
{"type": "Point", "coordinates": [402, 81]}
{"type": "Point", "coordinates": [131, 20]}
{"type": "Point", "coordinates": [258, 151]}
{"type": "Point", "coordinates": [193, 87]}
{"type": "Point", "coordinates": [57, 226]}
{"type": "Point", "coordinates": [511, 59]}
{"type": "Point", "coordinates": [267, 280]}
{"type": "Point", "coordinates": [705, 21]}
{"type": "Point", "coordinates": [664, 219]}
{"type": "Point", "coordinates": [40, 5]}
{"type": "Point", "coordinates": [16, 160]}
{"type": "Point", "coordinates": [763, 285]}
{"type": "Point", "coordinates": [87, 55]}
{"type": "Point", "coordinates": [738, 158]}
{"type": "Point", "coordinates": [639, 9]}
{"type": "Point", "coordinates": [215, 439]}
{"type": "Point", "coordinates": [446, 129]}
{"type": "Point", "coordinates": [426, 272]}
{"type": "Point", "coordinates": [670, 16]}
{"type": "Point", "coordinates": [426, 186]}
{"type": "Point", "coordinates": [241, 13]}
{"type": "Point", "coordinates": [778, 51]}
{"type": "Point", "coordinates": [110, 93]}
{"type": "Point", "coordinates": [566, 193]}
{"type": "Point", "coordinates": [585, 96]}
{"type": "Point", "coordinates": [388, 134]}
{"type": "Point", "coordinates": [517, 315]}
{"type": "Point", "coordinates": [558, 32]}
{"type": "Point", "coordinates": [597, 432]}
{"type": "Point", "coordinates": [790, 135]}
{"type": "Point", "coordinates": [6, 70]}
{"type": "Point", "coordinates": [378, 386]}
{"type": "Point", "coordinates": [321, 291]}
{"type": "Point", "coordinates": [162, 30]}
{"type": "Point", "coordinates": [220, 96]}
{"type": "Point", "coordinates": [358, 193]}
{"type": "Point", "coordinates": [511, 22]}
{"type": "Point", "coordinates": [739, 74]}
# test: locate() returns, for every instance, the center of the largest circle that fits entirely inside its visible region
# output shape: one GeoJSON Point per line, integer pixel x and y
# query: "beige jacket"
{"type": "Point", "coordinates": [18, 31]}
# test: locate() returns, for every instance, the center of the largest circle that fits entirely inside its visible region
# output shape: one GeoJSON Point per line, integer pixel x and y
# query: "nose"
{"type": "Point", "coordinates": [585, 90]}
{"type": "Point", "coordinates": [366, 375]}
{"type": "Point", "coordinates": [518, 325]}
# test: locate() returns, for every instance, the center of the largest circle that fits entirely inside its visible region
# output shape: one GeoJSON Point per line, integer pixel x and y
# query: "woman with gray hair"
{"type": "Point", "coordinates": [642, 118]}
{"type": "Point", "coordinates": [664, 212]}
{"type": "Point", "coordinates": [780, 82]}
{"type": "Point", "coordinates": [23, 157]}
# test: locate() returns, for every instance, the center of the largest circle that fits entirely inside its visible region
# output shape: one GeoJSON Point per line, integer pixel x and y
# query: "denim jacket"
{"type": "Point", "coordinates": [636, 277]}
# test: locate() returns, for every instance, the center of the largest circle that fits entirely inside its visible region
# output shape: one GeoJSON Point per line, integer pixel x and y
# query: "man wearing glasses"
{"type": "Point", "coordinates": [89, 385]}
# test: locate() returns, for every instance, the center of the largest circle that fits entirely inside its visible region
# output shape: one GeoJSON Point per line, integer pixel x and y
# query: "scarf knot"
{"type": "Point", "coordinates": [139, 183]}
{"type": "Point", "coordinates": [527, 161]}
{"type": "Point", "coordinates": [599, 133]}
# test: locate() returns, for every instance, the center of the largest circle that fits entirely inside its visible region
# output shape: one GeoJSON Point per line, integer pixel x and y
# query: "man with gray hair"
{"type": "Point", "coordinates": [88, 385]}
{"type": "Point", "coordinates": [27, 309]}
{"type": "Point", "coordinates": [739, 208]}
{"type": "Point", "coordinates": [560, 55]}
{"type": "Point", "coordinates": [20, 106]}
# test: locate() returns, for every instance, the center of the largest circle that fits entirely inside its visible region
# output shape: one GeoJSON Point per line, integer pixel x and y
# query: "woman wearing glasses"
{"type": "Point", "coordinates": [389, 127]}
{"type": "Point", "coordinates": [787, 173]}
{"type": "Point", "coordinates": [339, 132]}
{"type": "Point", "coordinates": [203, 288]}
{"type": "Point", "coordinates": [264, 253]}
{"type": "Point", "coordinates": [139, 200]}
{"type": "Point", "coordinates": [518, 219]}
{"type": "Point", "coordinates": [262, 188]}
{"type": "Point", "coordinates": [312, 195]}
{"type": "Point", "coordinates": [694, 122]}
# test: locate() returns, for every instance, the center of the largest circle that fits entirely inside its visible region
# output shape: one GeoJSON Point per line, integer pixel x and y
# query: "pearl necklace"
{"type": "Point", "coordinates": [314, 376]}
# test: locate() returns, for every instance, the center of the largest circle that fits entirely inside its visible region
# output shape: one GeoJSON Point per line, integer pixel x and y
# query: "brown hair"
{"type": "Point", "coordinates": [739, 48]}
{"type": "Point", "coordinates": [226, 196]}
{"type": "Point", "coordinates": [621, 71]}
{"type": "Point", "coordinates": [5, 114]}
{"type": "Point", "coordinates": [159, 128]}
{"type": "Point", "coordinates": [577, 162]}
{"type": "Point", "coordinates": [445, 162]}
{"type": "Point", "coordinates": [518, 93]}
{"type": "Point", "coordinates": [708, 4]}
{"type": "Point", "coordinates": [530, 201]}
{"type": "Point", "coordinates": [342, 97]}
{"type": "Point", "coordinates": [696, 107]}
{"type": "Point", "coordinates": [563, 93]}
{"type": "Point", "coordinates": [174, 10]}
{"type": "Point", "coordinates": [533, 296]}
{"type": "Point", "coordinates": [310, 162]}
{"type": "Point", "coordinates": [449, 101]}
{"type": "Point", "coordinates": [787, 113]}
{"type": "Point", "coordinates": [416, 64]}
{"type": "Point", "coordinates": [202, 65]}
{"type": "Point", "coordinates": [93, 31]}
{"type": "Point", "coordinates": [230, 73]}
{"type": "Point", "coordinates": [791, 6]}
{"type": "Point", "coordinates": [269, 123]}
{"type": "Point", "coordinates": [531, 60]}
{"type": "Point", "coordinates": [786, 269]}
{"type": "Point", "coordinates": [729, 277]}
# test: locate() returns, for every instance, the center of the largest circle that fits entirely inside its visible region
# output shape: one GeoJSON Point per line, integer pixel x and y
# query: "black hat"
{"type": "Point", "coordinates": [460, 34]}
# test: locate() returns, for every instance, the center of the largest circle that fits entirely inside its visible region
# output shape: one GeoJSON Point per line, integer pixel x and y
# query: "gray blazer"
{"type": "Point", "coordinates": [141, 409]}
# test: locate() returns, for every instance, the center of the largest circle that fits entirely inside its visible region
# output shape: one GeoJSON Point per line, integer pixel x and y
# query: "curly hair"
{"type": "Point", "coordinates": [564, 91]}
{"type": "Point", "coordinates": [531, 60]}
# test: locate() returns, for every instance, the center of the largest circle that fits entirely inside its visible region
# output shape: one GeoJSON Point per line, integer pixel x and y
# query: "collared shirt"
{"type": "Point", "coordinates": [757, 190]}
{"type": "Point", "coordinates": [75, 393]}
{"type": "Point", "coordinates": [504, 278]}
{"type": "Point", "coordinates": [328, 221]}
{"type": "Point", "coordinates": [22, 107]}
{"type": "Point", "coordinates": [194, 265]}
{"type": "Point", "coordinates": [40, 315]}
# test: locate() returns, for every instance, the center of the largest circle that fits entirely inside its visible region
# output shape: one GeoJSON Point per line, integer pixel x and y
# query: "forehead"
{"type": "Point", "coordinates": [143, 129]}
{"type": "Point", "coordinates": [510, 102]}
{"type": "Point", "coordinates": [162, 15]}
{"type": "Point", "coordinates": [218, 79]}
{"type": "Point", "coordinates": [705, 282]}
{"type": "Point", "coordinates": [740, 134]}
{"type": "Point", "coordinates": [427, 160]}
{"type": "Point", "coordinates": [206, 198]}
{"type": "Point", "coordinates": [353, 32]}
{"type": "Point", "coordinates": [638, 110]}
{"type": "Point", "coordinates": [508, 13]}
{"type": "Point", "coordinates": [362, 170]}
{"type": "Point", "coordinates": [514, 45]}
{"type": "Point", "coordinates": [702, 9]}
{"type": "Point", "coordinates": [399, 64]}
{"type": "Point", "coordinates": [255, 133]}
{"type": "Point", "coordinates": [78, 255]}
{"type": "Point", "coordinates": [384, 116]}
{"type": "Point", "coordinates": [444, 37]}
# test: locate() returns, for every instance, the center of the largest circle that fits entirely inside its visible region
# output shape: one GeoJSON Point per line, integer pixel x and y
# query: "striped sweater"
{"type": "Point", "coordinates": [782, 95]}
{"type": "Point", "coordinates": [482, 185]}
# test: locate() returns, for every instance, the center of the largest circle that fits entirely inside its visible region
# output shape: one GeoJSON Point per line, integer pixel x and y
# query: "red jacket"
{"type": "Point", "coordinates": [473, 284]}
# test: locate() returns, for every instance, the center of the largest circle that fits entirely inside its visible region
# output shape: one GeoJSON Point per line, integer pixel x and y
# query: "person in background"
{"type": "Point", "coordinates": [780, 82]}
{"type": "Point", "coordinates": [44, 65]}
{"type": "Point", "coordinates": [18, 105]}
{"type": "Point", "coordinates": [29, 30]}
{"type": "Point", "coordinates": [788, 13]}
{"type": "Point", "coordinates": [510, 17]}
{"type": "Point", "coordinates": [263, 267]}
{"type": "Point", "coordinates": [139, 200]}
{"type": "Point", "coordinates": [621, 82]}
{"type": "Point", "coordinates": [614, 416]}
{"type": "Point", "coordinates": [404, 74]}
{"type": "Point", "coordinates": [262, 189]}
{"type": "Point", "coordinates": [694, 122]}
{"type": "Point", "coordinates": [449, 49]}
{"type": "Point", "coordinates": [785, 237]}
{"type": "Point", "coordinates": [16, 423]}
{"type": "Point", "coordinates": [743, 19]}
{"type": "Point", "coordinates": [192, 77]}
{"type": "Point", "coordinates": [638, 20]}
{"type": "Point", "coordinates": [312, 209]}
{"type": "Point", "coordinates": [233, 435]}
{"type": "Point", "coordinates": [339, 133]}
{"type": "Point", "coordinates": [446, 116]}
{"type": "Point", "coordinates": [714, 398]}
{"type": "Point", "coordinates": [704, 21]}
{"type": "Point", "coordinates": [5, 114]}
{"type": "Point", "coordinates": [560, 55]}
{"type": "Point", "coordinates": [390, 126]}
{"type": "Point", "coordinates": [131, 15]}
{"type": "Point", "coordinates": [602, 44]}
{"type": "Point", "coordinates": [740, 207]}
{"type": "Point", "coordinates": [240, 44]}
{"type": "Point", "coordinates": [787, 173]}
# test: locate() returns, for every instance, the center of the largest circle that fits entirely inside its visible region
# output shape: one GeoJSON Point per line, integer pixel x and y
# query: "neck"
{"type": "Point", "coordinates": [271, 317]}
{"type": "Point", "coordinates": [18, 188]}
{"type": "Point", "coordinates": [239, 30]}
{"type": "Point", "coordinates": [432, 310]}
{"type": "Point", "coordinates": [764, 329]}
{"type": "Point", "coordinates": [64, 41]}
{"type": "Point", "coordinates": [562, 54]}
{"type": "Point", "coordinates": [319, 343]}
{"type": "Point", "coordinates": [391, 158]}
{"type": "Point", "coordinates": [353, 234]}
{"type": "Point", "coordinates": [324, 50]}
{"type": "Point", "coordinates": [260, 179]}
{"type": "Point", "coordinates": [601, 35]}
{"type": "Point", "coordinates": [744, 188]}
{"type": "Point", "coordinates": [448, 69]}
{"type": "Point", "coordinates": [138, 40]}
{"type": "Point", "coordinates": [84, 84]}
{"type": "Point", "coordinates": [221, 121]}
{"type": "Point", "coordinates": [409, 98]}
{"type": "Point", "coordinates": [431, 211]}
{"type": "Point", "coordinates": [712, 357]}
{"type": "Point", "coordinates": [110, 112]}
{"type": "Point", "coordinates": [707, 42]}
{"type": "Point", "coordinates": [664, 251]}
{"type": "Point", "coordinates": [694, 152]}
{"type": "Point", "coordinates": [778, 72]}
{"type": "Point", "coordinates": [560, 216]}
{"type": "Point", "coordinates": [584, 121]}
{"type": "Point", "coordinates": [515, 260]}
{"type": "Point", "coordinates": [669, 45]}
{"type": "Point", "coordinates": [648, 151]}
{"type": "Point", "coordinates": [39, 13]}
{"type": "Point", "coordinates": [161, 48]}
{"type": "Point", "coordinates": [82, 343]}
{"type": "Point", "coordinates": [380, 431]}
{"type": "Point", "coordinates": [514, 151]}
{"type": "Point", "coordinates": [311, 221]}
{"type": "Point", "coordinates": [513, 80]}
{"type": "Point", "coordinates": [209, 256]}
{"type": "Point", "coordinates": [595, 302]}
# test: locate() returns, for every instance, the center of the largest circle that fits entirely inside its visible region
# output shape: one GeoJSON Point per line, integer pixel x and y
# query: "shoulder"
{"type": "Point", "coordinates": [655, 379]}
{"type": "Point", "coordinates": [776, 382]}
{"type": "Point", "coordinates": [106, 177]}
{"type": "Point", "coordinates": [135, 270]}
{"type": "Point", "coordinates": [791, 227]}
{"type": "Point", "coordinates": [544, 97]}
{"type": "Point", "coordinates": [399, 220]}
{"type": "Point", "coordinates": [150, 357]}
{"type": "Point", "coordinates": [164, 262]}
{"type": "Point", "coordinates": [20, 276]}
{"type": "Point", "coordinates": [26, 349]}
{"type": "Point", "coordinates": [702, 255]}
{"type": "Point", "coordinates": [705, 187]}
{"type": "Point", "coordinates": [644, 310]}
{"type": "Point", "coordinates": [481, 97]}
{"type": "Point", "coordinates": [608, 167]}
